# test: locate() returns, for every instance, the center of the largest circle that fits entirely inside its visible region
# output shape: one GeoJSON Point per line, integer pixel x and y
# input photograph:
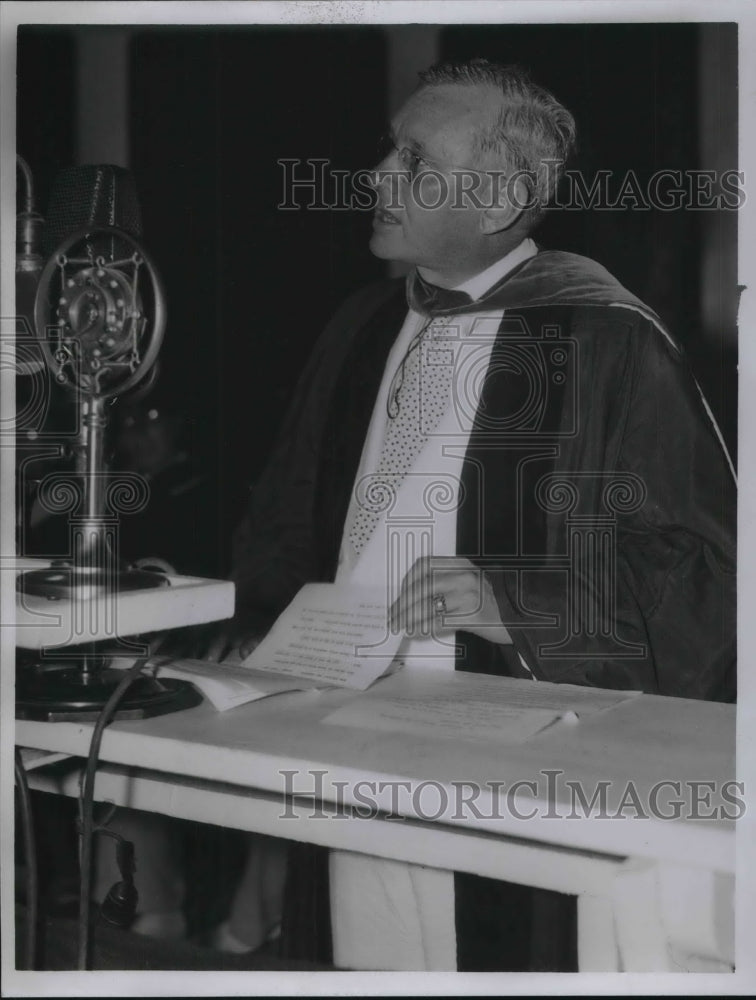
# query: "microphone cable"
{"type": "Point", "coordinates": [86, 803]}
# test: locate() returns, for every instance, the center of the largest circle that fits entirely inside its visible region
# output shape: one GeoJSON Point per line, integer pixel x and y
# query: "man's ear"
{"type": "Point", "coordinates": [506, 206]}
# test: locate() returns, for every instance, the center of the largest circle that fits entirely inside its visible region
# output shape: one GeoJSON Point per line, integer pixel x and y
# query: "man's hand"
{"type": "Point", "coordinates": [248, 645]}
{"type": "Point", "coordinates": [223, 646]}
{"type": "Point", "coordinates": [442, 594]}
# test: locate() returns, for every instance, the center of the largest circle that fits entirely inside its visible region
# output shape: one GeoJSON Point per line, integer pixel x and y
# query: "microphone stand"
{"type": "Point", "coordinates": [101, 345]}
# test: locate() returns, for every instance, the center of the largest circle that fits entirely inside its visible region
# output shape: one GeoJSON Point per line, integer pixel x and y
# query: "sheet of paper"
{"type": "Point", "coordinates": [225, 685]}
{"type": "Point", "coordinates": [333, 636]}
{"type": "Point", "coordinates": [475, 707]}
{"type": "Point", "coordinates": [438, 706]}
{"type": "Point", "coordinates": [582, 701]}
{"type": "Point", "coordinates": [228, 685]}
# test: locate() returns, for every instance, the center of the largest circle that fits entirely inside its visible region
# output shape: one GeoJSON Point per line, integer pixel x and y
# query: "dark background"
{"type": "Point", "coordinates": [249, 287]}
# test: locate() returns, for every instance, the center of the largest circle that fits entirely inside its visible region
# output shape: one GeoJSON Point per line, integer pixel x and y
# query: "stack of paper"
{"type": "Point", "coordinates": [467, 706]}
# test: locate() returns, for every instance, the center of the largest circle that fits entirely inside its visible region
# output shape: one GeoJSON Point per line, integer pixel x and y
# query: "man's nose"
{"type": "Point", "coordinates": [379, 173]}
{"type": "Point", "coordinates": [386, 180]}
{"type": "Point", "coordinates": [388, 155]}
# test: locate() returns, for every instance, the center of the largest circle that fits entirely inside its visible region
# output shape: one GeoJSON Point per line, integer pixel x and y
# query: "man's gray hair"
{"type": "Point", "coordinates": [534, 133]}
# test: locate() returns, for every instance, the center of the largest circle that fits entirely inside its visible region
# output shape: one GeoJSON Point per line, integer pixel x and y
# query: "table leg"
{"type": "Point", "coordinates": [671, 918]}
{"type": "Point", "coordinates": [597, 940]}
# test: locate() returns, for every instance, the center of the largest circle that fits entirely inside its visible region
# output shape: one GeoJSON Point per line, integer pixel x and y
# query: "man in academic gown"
{"type": "Point", "coordinates": [585, 532]}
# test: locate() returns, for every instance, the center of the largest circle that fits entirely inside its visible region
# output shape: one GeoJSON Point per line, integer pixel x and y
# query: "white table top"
{"type": "Point", "coordinates": [186, 601]}
{"type": "Point", "coordinates": [644, 741]}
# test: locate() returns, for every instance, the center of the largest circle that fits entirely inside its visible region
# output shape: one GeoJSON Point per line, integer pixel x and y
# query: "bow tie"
{"type": "Point", "coordinates": [430, 300]}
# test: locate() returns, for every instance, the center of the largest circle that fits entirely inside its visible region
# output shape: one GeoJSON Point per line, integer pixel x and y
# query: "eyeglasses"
{"type": "Point", "coordinates": [412, 161]}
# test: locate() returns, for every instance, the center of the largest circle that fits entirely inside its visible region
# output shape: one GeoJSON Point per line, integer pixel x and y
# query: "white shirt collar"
{"type": "Point", "coordinates": [480, 283]}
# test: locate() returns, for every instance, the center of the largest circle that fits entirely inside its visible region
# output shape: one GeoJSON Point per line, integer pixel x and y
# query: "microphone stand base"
{"type": "Point", "coordinates": [62, 581]}
{"type": "Point", "coordinates": [64, 693]}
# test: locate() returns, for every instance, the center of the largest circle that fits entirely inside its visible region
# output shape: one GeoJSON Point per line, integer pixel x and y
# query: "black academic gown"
{"type": "Point", "coordinates": [589, 420]}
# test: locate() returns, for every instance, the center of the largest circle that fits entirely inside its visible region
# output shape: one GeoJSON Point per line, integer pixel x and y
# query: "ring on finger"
{"type": "Point", "coordinates": [439, 605]}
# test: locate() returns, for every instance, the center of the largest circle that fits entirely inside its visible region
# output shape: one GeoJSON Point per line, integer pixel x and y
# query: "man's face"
{"type": "Point", "coordinates": [418, 222]}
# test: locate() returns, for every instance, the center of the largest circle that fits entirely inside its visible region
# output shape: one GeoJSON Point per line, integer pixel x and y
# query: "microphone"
{"type": "Point", "coordinates": [93, 197]}
{"type": "Point", "coordinates": [96, 269]}
{"type": "Point", "coordinates": [28, 227]}
{"type": "Point", "coordinates": [29, 264]}
{"type": "Point", "coordinates": [99, 318]}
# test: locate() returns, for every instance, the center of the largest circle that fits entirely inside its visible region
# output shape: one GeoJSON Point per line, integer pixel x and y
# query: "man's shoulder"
{"type": "Point", "coordinates": [556, 277]}
{"type": "Point", "coordinates": [574, 285]}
